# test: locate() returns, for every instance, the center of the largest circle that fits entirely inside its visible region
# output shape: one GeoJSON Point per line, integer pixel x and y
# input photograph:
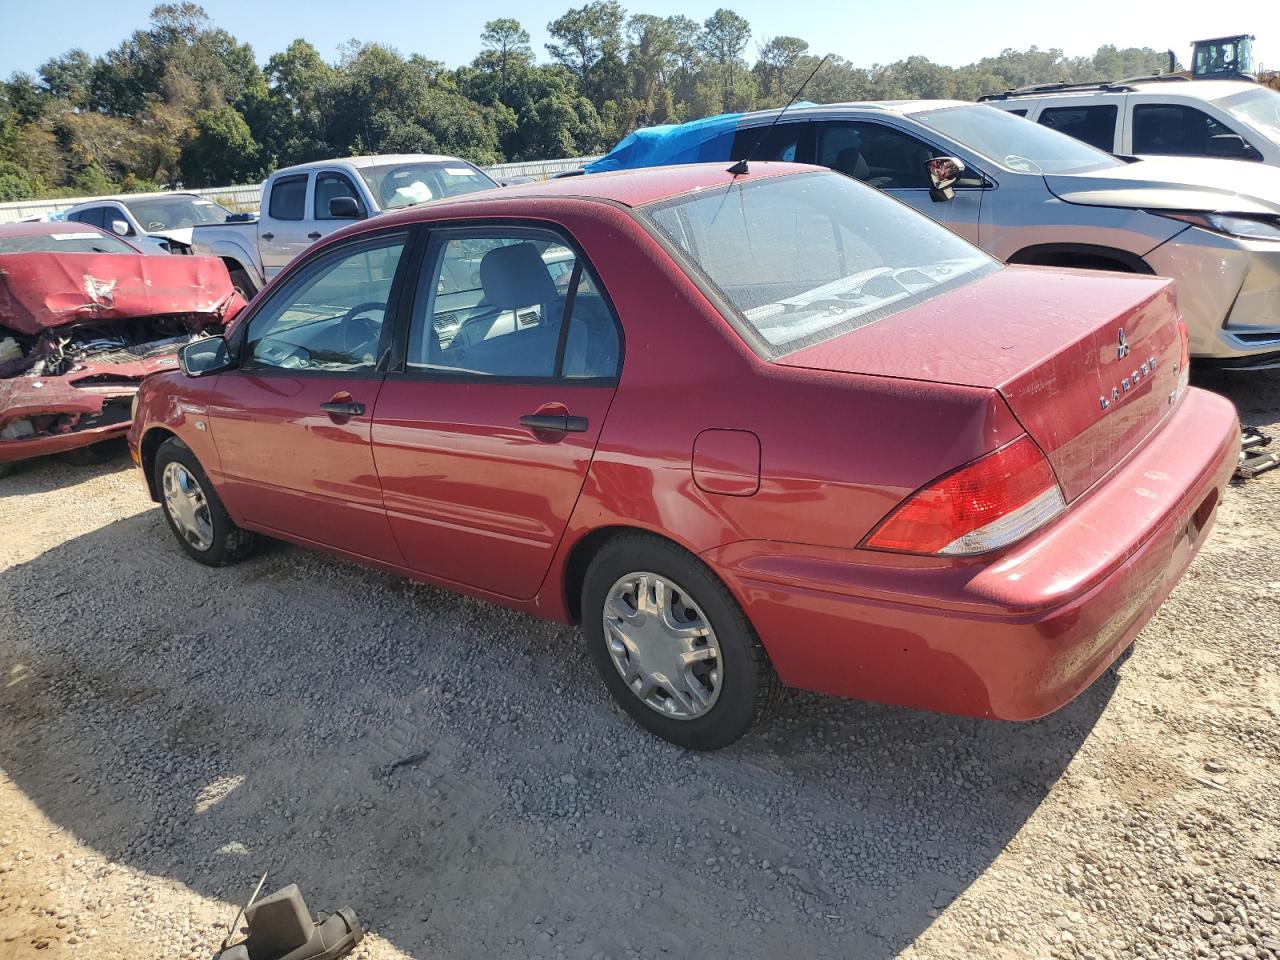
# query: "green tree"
{"type": "Point", "coordinates": [724, 37]}
{"type": "Point", "coordinates": [778, 57]}
{"type": "Point", "coordinates": [589, 42]}
{"type": "Point", "coordinates": [222, 152]}
{"type": "Point", "coordinates": [506, 46]}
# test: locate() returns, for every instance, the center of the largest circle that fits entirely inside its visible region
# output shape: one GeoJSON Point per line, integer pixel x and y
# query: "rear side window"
{"type": "Point", "coordinates": [780, 142]}
{"type": "Point", "coordinates": [1174, 130]}
{"type": "Point", "coordinates": [1095, 125]}
{"type": "Point", "coordinates": [289, 198]}
{"type": "Point", "coordinates": [508, 304]}
{"type": "Point", "coordinates": [1017, 113]}
{"type": "Point", "coordinates": [330, 186]}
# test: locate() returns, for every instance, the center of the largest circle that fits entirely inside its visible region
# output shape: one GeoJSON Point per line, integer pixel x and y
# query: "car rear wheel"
{"type": "Point", "coordinates": [193, 511]}
{"type": "Point", "coordinates": [672, 645]}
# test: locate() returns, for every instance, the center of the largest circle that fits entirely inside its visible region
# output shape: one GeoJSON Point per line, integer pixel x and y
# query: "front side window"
{"type": "Point", "coordinates": [511, 304]}
{"type": "Point", "coordinates": [1095, 125]}
{"type": "Point", "coordinates": [1170, 129]}
{"type": "Point", "coordinates": [404, 184]}
{"type": "Point", "coordinates": [1013, 142]}
{"type": "Point", "coordinates": [805, 257]}
{"type": "Point", "coordinates": [331, 316]}
{"type": "Point", "coordinates": [330, 186]}
{"type": "Point", "coordinates": [94, 216]}
{"type": "Point", "coordinates": [879, 155]}
{"type": "Point", "coordinates": [288, 198]}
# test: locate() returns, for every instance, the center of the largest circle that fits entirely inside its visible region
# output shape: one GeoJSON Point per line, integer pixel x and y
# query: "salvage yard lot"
{"type": "Point", "coordinates": [168, 732]}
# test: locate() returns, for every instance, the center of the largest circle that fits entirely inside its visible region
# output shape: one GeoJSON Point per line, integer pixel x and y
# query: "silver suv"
{"type": "Point", "coordinates": [1159, 116]}
{"type": "Point", "coordinates": [1028, 194]}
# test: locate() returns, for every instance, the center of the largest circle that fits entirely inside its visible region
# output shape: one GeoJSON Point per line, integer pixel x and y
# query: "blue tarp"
{"type": "Point", "coordinates": [698, 141]}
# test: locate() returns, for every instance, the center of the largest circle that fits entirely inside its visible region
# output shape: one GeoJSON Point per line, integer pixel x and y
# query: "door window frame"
{"type": "Point", "coordinates": [306, 179]}
{"type": "Point", "coordinates": [314, 189]}
{"type": "Point", "coordinates": [434, 237]}
{"type": "Point", "coordinates": [304, 270]}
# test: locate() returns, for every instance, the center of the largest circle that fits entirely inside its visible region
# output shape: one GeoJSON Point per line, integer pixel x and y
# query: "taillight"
{"type": "Point", "coordinates": [989, 503]}
{"type": "Point", "coordinates": [1184, 361]}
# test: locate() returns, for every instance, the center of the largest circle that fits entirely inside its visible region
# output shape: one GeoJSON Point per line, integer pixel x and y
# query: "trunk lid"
{"type": "Point", "coordinates": [1050, 342]}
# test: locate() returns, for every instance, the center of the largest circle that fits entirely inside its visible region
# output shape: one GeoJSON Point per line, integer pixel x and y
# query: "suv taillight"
{"type": "Point", "coordinates": [986, 504]}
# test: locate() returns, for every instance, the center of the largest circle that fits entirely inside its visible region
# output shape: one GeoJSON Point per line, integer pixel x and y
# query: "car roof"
{"type": "Point", "coordinates": [1171, 86]}
{"type": "Point", "coordinates": [631, 188]}
{"type": "Point", "coordinates": [47, 228]}
{"type": "Point", "coordinates": [371, 161]}
{"type": "Point", "coordinates": [94, 201]}
{"type": "Point", "coordinates": [901, 107]}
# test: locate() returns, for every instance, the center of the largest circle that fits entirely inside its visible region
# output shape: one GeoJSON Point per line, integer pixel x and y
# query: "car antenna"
{"type": "Point", "coordinates": [741, 166]}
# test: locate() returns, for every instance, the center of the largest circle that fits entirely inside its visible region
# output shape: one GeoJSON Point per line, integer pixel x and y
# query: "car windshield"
{"type": "Point", "coordinates": [404, 184]}
{"type": "Point", "coordinates": [67, 241]}
{"type": "Point", "coordinates": [1259, 108]}
{"type": "Point", "coordinates": [175, 213]}
{"type": "Point", "coordinates": [1013, 142]}
{"type": "Point", "coordinates": [805, 257]}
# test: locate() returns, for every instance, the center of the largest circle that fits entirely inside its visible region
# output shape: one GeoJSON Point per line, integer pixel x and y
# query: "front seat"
{"type": "Point", "coordinates": [851, 161]}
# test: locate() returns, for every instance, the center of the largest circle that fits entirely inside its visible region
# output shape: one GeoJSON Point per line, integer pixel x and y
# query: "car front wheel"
{"type": "Point", "coordinates": [193, 511]}
{"type": "Point", "coordinates": [672, 645]}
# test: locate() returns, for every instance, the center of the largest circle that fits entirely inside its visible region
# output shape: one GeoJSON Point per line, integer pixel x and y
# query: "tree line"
{"type": "Point", "coordinates": [183, 102]}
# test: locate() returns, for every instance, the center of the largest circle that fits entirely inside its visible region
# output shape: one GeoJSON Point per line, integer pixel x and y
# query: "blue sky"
{"type": "Point", "coordinates": [864, 31]}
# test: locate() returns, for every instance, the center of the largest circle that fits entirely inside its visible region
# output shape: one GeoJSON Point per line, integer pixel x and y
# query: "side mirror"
{"type": "Point", "coordinates": [943, 174]}
{"type": "Point", "coordinates": [200, 358]}
{"type": "Point", "coordinates": [1229, 145]}
{"type": "Point", "coordinates": [345, 208]}
{"type": "Point", "coordinates": [121, 229]}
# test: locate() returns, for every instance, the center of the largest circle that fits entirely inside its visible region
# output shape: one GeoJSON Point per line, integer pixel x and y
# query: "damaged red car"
{"type": "Point", "coordinates": [750, 431]}
{"type": "Point", "coordinates": [84, 317]}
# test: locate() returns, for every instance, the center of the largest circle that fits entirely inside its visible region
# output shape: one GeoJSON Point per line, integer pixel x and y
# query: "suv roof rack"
{"type": "Point", "coordinates": [1104, 86]}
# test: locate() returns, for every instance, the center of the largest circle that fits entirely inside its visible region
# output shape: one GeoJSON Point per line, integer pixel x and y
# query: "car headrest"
{"type": "Point", "coordinates": [515, 276]}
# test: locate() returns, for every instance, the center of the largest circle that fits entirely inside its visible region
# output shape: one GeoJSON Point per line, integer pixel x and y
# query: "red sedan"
{"type": "Point", "coordinates": [749, 431]}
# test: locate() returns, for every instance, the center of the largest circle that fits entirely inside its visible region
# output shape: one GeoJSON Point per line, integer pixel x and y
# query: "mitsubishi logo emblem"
{"type": "Point", "coordinates": [1122, 350]}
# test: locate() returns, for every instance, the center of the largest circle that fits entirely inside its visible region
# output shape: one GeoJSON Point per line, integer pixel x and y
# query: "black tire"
{"type": "Point", "coordinates": [228, 542]}
{"type": "Point", "coordinates": [244, 286]}
{"type": "Point", "coordinates": [749, 686]}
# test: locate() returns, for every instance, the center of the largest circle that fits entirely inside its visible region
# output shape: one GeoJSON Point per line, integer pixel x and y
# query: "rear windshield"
{"type": "Point", "coordinates": [1013, 142]}
{"type": "Point", "coordinates": [66, 241]}
{"type": "Point", "coordinates": [806, 257]}
{"type": "Point", "coordinates": [404, 184]}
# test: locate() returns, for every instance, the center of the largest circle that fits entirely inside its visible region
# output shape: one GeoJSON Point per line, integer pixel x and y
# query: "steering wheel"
{"type": "Point", "coordinates": [370, 331]}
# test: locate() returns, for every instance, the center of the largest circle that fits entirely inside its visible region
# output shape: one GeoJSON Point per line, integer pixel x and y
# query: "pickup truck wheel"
{"type": "Point", "coordinates": [194, 512]}
{"type": "Point", "coordinates": [244, 286]}
{"type": "Point", "coordinates": [672, 645]}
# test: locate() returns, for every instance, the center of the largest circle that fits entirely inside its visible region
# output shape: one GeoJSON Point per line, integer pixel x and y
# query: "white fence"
{"type": "Point", "coordinates": [248, 196]}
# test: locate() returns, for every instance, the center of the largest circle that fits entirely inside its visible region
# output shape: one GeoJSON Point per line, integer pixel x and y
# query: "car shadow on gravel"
{"type": "Point", "coordinates": [455, 772]}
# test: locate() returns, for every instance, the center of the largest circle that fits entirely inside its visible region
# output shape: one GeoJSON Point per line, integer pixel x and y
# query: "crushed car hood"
{"type": "Point", "coordinates": [39, 291]}
{"type": "Point", "coordinates": [1175, 183]}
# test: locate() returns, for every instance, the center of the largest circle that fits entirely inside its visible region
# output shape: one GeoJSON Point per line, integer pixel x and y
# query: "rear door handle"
{"type": "Point", "coordinates": [268, 236]}
{"type": "Point", "coordinates": [314, 236]}
{"type": "Point", "coordinates": [561, 424]}
{"type": "Point", "coordinates": [336, 409]}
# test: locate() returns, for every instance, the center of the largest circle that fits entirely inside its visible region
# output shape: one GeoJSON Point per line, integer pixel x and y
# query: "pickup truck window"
{"type": "Point", "coordinates": [330, 186]}
{"type": "Point", "coordinates": [288, 198]}
{"type": "Point", "coordinates": [1175, 130]}
{"type": "Point", "coordinates": [1094, 124]}
{"type": "Point", "coordinates": [404, 184]}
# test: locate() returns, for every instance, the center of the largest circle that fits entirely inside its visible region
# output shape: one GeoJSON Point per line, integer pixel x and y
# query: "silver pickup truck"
{"type": "Point", "coordinates": [303, 203]}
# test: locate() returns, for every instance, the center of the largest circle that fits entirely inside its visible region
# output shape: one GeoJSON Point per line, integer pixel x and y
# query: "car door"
{"type": "Point", "coordinates": [292, 422]}
{"type": "Point", "coordinates": [893, 160]}
{"type": "Point", "coordinates": [282, 233]}
{"type": "Point", "coordinates": [488, 421]}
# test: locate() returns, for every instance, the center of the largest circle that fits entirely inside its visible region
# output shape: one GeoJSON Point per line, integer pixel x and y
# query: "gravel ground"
{"type": "Point", "coordinates": [167, 732]}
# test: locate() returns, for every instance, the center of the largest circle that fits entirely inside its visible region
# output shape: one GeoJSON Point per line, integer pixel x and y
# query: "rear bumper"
{"type": "Point", "coordinates": [1014, 637]}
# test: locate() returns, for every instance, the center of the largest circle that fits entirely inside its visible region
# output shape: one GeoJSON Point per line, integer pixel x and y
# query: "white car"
{"type": "Point", "coordinates": [301, 204]}
{"type": "Point", "coordinates": [1158, 116]}
{"type": "Point", "coordinates": [156, 222]}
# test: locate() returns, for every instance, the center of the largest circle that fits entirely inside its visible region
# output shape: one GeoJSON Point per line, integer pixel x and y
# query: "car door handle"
{"type": "Point", "coordinates": [338, 409]}
{"type": "Point", "coordinates": [314, 236]}
{"type": "Point", "coordinates": [561, 424]}
{"type": "Point", "coordinates": [268, 236]}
